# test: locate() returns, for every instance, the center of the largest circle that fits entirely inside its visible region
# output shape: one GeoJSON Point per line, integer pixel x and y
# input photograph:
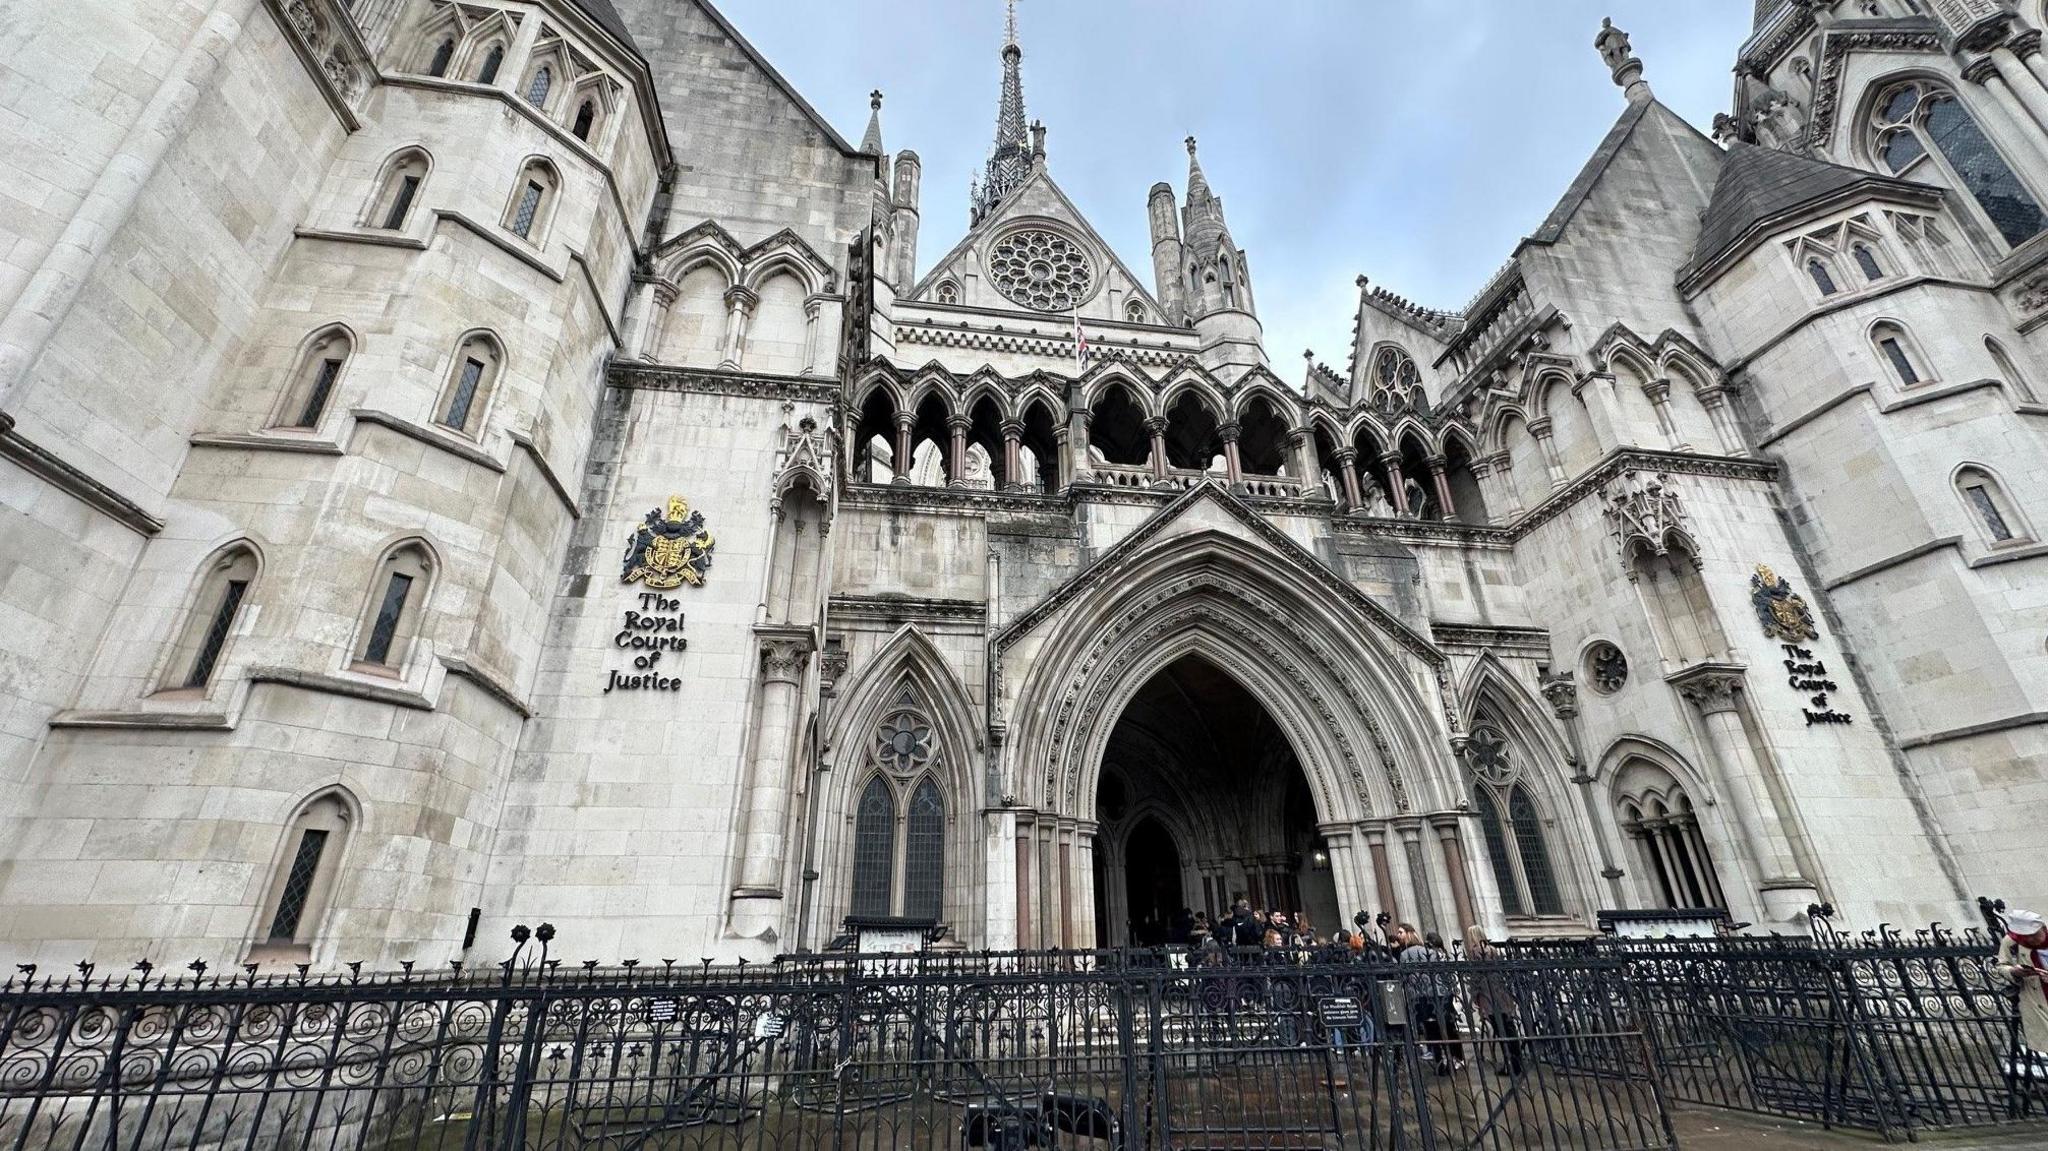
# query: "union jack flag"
{"type": "Point", "coordinates": [1080, 343]}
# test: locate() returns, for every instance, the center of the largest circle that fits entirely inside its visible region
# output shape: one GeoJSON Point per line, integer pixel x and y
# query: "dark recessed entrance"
{"type": "Point", "coordinates": [1202, 800]}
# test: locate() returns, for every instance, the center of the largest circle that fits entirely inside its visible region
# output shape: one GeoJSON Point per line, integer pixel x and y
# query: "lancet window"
{"type": "Point", "coordinates": [899, 837]}
{"type": "Point", "coordinates": [1512, 827]}
{"type": "Point", "coordinates": [1919, 123]}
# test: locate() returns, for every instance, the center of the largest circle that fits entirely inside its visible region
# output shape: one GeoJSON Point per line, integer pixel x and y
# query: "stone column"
{"type": "Point", "coordinates": [1077, 442]}
{"type": "Point", "coordinates": [1013, 455]}
{"type": "Point", "coordinates": [2027, 46]}
{"type": "Point", "coordinates": [2033, 97]}
{"type": "Point", "coordinates": [1156, 425]}
{"type": "Point", "coordinates": [1347, 459]}
{"type": "Point", "coordinates": [813, 308]}
{"type": "Point", "coordinates": [1715, 692]}
{"type": "Point", "coordinates": [1563, 694]}
{"type": "Point", "coordinates": [1540, 428]}
{"type": "Point", "coordinates": [1715, 400]}
{"type": "Point", "coordinates": [1396, 482]}
{"type": "Point", "coordinates": [1062, 463]}
{"type": "Point", "coordinates": [901, 464]}
{"type": "Point", "coordinates": [1985, 72]}
{"type": "Point", "coordinates": [1382, 873]}
{"type": "Point", "coordinates": [1482, 474]}
{"type": "Point", "coordinates": [1233, 466]}
{"type": "Point", "coordinates": [1659, 391]}
{"type": "Point", "coordinates": [1414, 861]}
{"type": "Point", "coordinates": [739, 310]}
{"type": "Point", "coordinates": [1442, 482]}
{"type": "Point", "coordinates": [1503, 469]}
{"type": "Point", "coordinates": [1306, 468]}
{"type": "Point", "coordinates": [784, 654]}
{"type": "Point", "coordinates": [1454, 864]}
{"type": "Point", "coordinates": [956, 451]}
{"type": "Point", "coordinates": [646, 309]}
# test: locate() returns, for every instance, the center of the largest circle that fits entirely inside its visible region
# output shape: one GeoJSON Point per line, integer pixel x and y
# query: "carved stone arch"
{"type": "Point", "coordinates": [1353, 709]}
{"type": "Point", "coordinates": [1638, 358]}
{"type": "Point", "coordinates": [1494, 698]}
{"type": "Point", "coordinates": [1365, 422]}
{"type": "Point", "coordinates": [1408, 429]}
{"type": "Point", "coordinates": [1287, 408]}
{"type": "Point", "coordinates": [760, 270]}
{"type": "Point", "coordinates": [1207, 389]}
{"type": "Point", "coordinates": [1499, 421]}
{"type": "Point", "coordinates": [1544, 386]}
{"type": "Point", "coordinates": [1037, 392]}
{"type": "Point", "coordinates": [705, 252]}
{"type": "Point", "coordinates": [990, 387]}
{"type": "Point", "coordinates": [908, 676]}
{"type": "Point", "coordinates": [1463, 436]}
{"type": "Point", "coordinates": [1144, 393]}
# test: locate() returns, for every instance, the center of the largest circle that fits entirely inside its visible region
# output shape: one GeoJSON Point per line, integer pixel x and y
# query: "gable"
{"type": "Point", "coordinates": [1205, 509]}
{"type": "Point", "coordinates": [1038, 202]}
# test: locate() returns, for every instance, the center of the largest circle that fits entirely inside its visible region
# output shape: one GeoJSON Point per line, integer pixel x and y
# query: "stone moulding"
{"type": "Point", "coordinates": [900, 609]}
{"type": "Point", "coordinates": [340, 685]}
{"type": "Point", "coordinates": [1522, 640]}
{"type": "Point", "coordinates": [46, 465]}
{"type": "Point", "coordinates": [489, 682]}
{"type": "Point", "coordinates": [711, 382]}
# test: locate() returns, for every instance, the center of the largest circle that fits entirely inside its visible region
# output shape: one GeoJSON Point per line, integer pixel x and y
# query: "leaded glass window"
{"type": "Point", "coordinates": [401, 204]}
{"type": "Point", "coordinates": [385, 629]}
{"type": "Point", "coordinates": [459, 403]}
{"type": "Point", "coordinates": [537, 92]}
{"type": "Point", "coordinates": [924, 854]}
{"type": "Point", "coordinates": [298, 886]}
{"type": "Point", "coordinates": [316, 396]}
{"type": "Point", "coordinates": [529, 207]}
{"type": "Point", "coordinates": [443, 52]}
{"type": "Point", "coordinates": [874, 850]}
{"type": "Point", "coordinates": [492, 61]}
{"type": "Point", "coordinates": [1535, 857]}
{"type": "Point", "coordinates": [1867, 261]}
{"type": "Point", "coordinates": [1987, 510]}
{"type": "Point", "coordinates": [216, 636]}
{"type": "Point", "coordinates": [1895, 354]}
{"type": "Point", "coordinates": [586, 115]}
{"type": "Point", "coordinates": [1917, 120]}
{"type": "Point", "coordinates": [1822, 278]}
{"type": "Point", "coordinates": [1497, 851]}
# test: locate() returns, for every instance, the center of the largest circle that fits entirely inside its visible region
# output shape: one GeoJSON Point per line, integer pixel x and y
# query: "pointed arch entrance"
{"type": "Point", "coordinates": [1360, 702]}
{"type": "Point", "coordinates": [1196, 751]}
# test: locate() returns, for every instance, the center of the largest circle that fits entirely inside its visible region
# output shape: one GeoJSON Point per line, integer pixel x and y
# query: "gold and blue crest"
{"type": "Point", "coordinates": [1783, 612]}
{"type": "Point", "coordinates": [670, 548]}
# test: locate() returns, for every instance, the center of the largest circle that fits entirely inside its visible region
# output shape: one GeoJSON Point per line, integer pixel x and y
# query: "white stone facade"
{"type": "Point", "coordinates": [344, 349]}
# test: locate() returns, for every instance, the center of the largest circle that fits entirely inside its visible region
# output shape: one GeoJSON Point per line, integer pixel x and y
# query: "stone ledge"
{"type": "Point", "coordinates": [327, 684]}
{"type": "Point", "coordinates": [143, 720]}
{"type": "Point", "coordinates": [547, 472]}
{"type": "Point", "coordinates": [46, 465]}
{"type": "Point", "coordinates": [266, 442]}
{"type": "Point", "coordinates": [1904, 557]}
{"type": "Point", "coordinates": [454, 446]}
{"type": "Point", "coordinates": [528, 256]}
{"type": "Point", "coordinates": [1533, 640]}
{"type": "Point", "coordinates": [376, 238]}
{"type": "Point", "coordinates": [489, 682]}
{"type": "Point", "coordinates": [891, 609]}
{"type": "Point", "coordinates": [722, 382]}
{"type": "Point", "coordinates": [1970, 731]}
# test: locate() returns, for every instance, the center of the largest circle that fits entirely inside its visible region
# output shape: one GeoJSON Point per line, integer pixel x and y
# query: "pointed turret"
{"type": "Point", "coordinates": [1009, 165]}
{"type": "Point", "coordinates": [1219, 286]}
{"type": "Point", "coordinates": [872, 142]}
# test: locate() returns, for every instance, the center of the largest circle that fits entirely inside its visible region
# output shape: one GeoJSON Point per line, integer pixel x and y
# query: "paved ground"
{"type": "Point", "coordinates": [1704, 1130]}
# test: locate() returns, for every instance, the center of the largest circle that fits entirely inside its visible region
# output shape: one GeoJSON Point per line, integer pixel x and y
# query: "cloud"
{"type": "Point", "coordinates": [1416, 141]}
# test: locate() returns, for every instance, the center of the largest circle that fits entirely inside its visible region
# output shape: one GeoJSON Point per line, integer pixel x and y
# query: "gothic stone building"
{"type": "Point", "coordinates": [469, 462]}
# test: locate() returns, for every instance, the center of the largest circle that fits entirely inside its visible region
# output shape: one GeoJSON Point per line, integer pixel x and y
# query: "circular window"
{"type": "Point", "coordinates": [1041, 270]}
{"type": "Point", "coordinates": [1606, 668]}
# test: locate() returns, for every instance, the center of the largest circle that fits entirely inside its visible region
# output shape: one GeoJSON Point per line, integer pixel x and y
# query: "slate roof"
{"type": "Point", "coordinates": [1758, 183]}
{"type": "Point", "coordinates": [607, 18]}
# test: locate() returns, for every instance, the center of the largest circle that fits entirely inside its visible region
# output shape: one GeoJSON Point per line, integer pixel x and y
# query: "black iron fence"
{"type": "Point", "coordinates": [1563, 1048]}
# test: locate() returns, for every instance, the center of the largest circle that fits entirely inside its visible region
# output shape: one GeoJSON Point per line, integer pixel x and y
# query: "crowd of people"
{"type": "Point", "coordinates": [1430, 1003]}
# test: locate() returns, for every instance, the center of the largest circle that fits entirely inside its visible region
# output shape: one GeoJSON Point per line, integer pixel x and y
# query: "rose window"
{"type": "Point", "coordinates": [1487, 753]}
{"type": "Point", "coordinates": [904, 743]}
{"type": "Point", "coordinates": [1608, 666]}
{"type": "Point", "coordinates": [1041, 270]}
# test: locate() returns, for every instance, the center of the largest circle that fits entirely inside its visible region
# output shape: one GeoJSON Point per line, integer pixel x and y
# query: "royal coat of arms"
{"type": "Point", "coordinates": [670, 548]}
{"type": "Point", "coordinates": [1783, 613]}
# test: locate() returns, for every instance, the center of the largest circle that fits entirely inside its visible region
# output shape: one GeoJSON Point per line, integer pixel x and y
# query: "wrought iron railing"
{"type": "Point", "coordinates": [1577, 1047]}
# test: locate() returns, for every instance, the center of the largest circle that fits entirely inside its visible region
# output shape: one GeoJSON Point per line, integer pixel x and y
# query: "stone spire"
{"type": "Point", "coordinates": [1198, 184]}
{"type": "Point", "coordinates": [1010, 163]}
{"type": "Point", "coordinates": [1613, 46]}
{"type": "Point", "coordinates": [872, 142]}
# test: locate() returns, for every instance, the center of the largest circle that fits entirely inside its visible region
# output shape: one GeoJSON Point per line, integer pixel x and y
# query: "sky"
{"type": "Point", "coordinates": [1412, 141]}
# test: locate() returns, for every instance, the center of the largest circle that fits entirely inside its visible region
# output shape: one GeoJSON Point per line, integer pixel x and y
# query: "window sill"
{"type": "Point", "coordinates": [286, 954]}
{"type": "Point", "coordinates": [381, 237]}
{"type": "Point", "coordinates": [2009, 551]}
{"type": "Point", "coordinates": [435, 436]}
{"type": "Point", "coordinates": [270, 440]}
{"type": "Point", "coordinates": [344, 685]}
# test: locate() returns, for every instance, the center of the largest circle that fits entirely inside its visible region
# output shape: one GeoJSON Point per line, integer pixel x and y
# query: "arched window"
{"type": "Point", "coordinates": [1989, 505]}
{"type": "Point", "coordinates": [398, 190]}
{"type": "Point", "coordinates": [924, 854]}
{"type": "Point", "coordinates": [1866, 262]}
{"type": "Point", "coordinates": [1228, 281]}
{"type": "Point", "coordinates": [303, 886]}
{"type": "Point", "coordinates": [1918, 122]}
{"type": "Point", "coordinates": [1134, 312]}
{"type": "Point", "coordinates": [2009, 370]}
{"type": "Point", "coordinates": [494, 59]}
{"type": "Point", "coordinates": [223, 589]}
{"type": "Point", "coordinates": [443, 52]}
{"type": "Point", "coordinates": [533, 195]}
{"type": "Point", "coordinates": [1822, 278]}
{"type": "Point", "coordinates": [874, 850]}
{"type": "Point", "coordinates": [1514, 845]}
{"type": "Point", "coordinates": [311, 387]}
{"type": "Point", "coordinates": [1393, 370]}
{"type": "Point", "coordinates": [586, 118]}
{"type": "Point", "coordinates": [537, 88]}
{"type": "Point", "coordinates": [391, 614]}
{"type": "Point", "coordinates": [470, 382]}
{"type": "Point", "coordinates": [1658, 817]}
{"type": "Point", "coordinates": [1897, 351]}
{"type": "Point", "coordinates": [948, 293]}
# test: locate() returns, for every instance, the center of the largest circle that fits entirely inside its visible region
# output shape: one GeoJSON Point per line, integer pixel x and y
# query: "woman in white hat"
{"type": "Point", "coordinates": [2023, 957]}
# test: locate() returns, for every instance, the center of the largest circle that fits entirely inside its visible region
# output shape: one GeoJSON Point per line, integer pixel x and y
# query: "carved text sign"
{"type": "Point", "coordinates": [650, 632]}
{"type": "Point", "coordinates": [1808, 676]}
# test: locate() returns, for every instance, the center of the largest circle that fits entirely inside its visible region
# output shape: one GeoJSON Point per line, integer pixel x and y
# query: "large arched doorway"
{"type": "Point", "coordinates": [1194, 749]}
